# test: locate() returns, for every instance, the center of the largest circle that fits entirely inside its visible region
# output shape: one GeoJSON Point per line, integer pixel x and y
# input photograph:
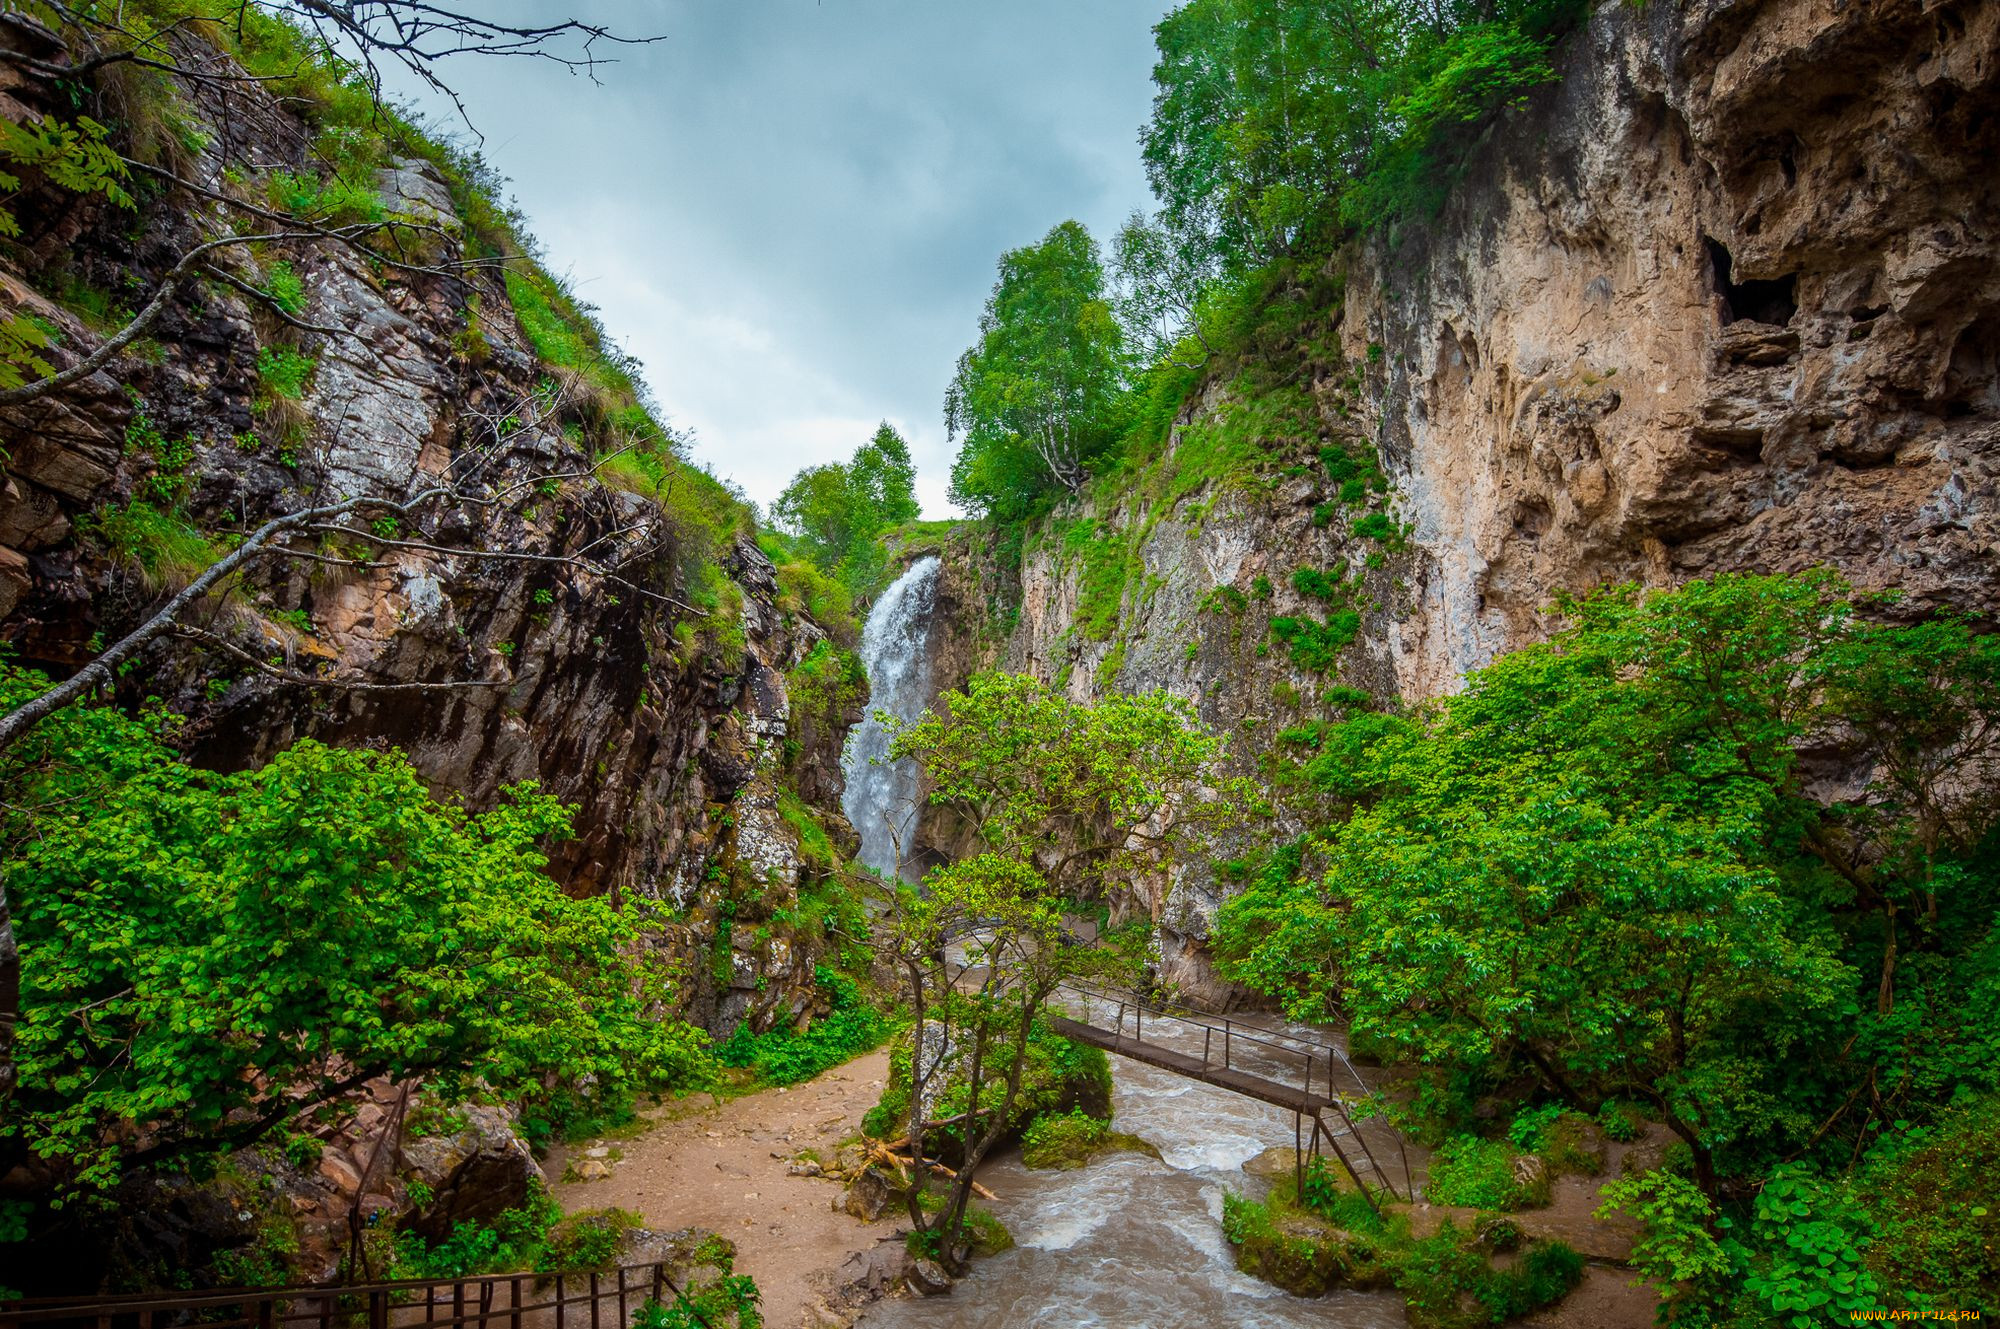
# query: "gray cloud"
{"type": "Point", "coordinates": [791, 211]}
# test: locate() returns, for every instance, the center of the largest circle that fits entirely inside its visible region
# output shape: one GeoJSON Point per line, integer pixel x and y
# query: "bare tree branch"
{"type": "Point", "coordinates": [203, 637]}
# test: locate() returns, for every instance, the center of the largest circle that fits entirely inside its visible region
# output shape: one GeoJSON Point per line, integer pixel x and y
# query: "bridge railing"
{"type": "Point", "coordinates": [601, 1300]}
{"type": "Point", "coordinates": [1306, 1051]}
{"type": "Point", "coordinates": [1310, 1053]}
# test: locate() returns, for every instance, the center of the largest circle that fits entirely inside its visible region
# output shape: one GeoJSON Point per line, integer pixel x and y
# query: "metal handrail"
{"type": "Point", "coordinates": [470, 1300]}
{"type": "Point", "coordinates": [1231, 1031]}
{"type": "Point", "coordinates": [1278, 1040]}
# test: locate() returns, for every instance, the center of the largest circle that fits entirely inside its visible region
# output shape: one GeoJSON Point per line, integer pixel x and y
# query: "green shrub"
{"type": "Point", "coordinates": [516, 1239]}
{"type": "Point", "coordinates": [1935, 1202]}
{"type": "Point", "coordinates": [286, 290]}
{"type": "Point", "coordinates": [1450, 1284]}
{"type": "Point", "coordinates": [589, 1239]}
{"type": "Point", "coordinates": [1314, 645]}
{"type": "Point", "coordinates": [1481, 1174]}
{"type": "Point", "coordinates": [1677, 1250]}
{"type": "Point", "coordinates": [282, 374]}
{"type": "Point", "coordinates": [336, 200]}
{"type": "Point", "coordinates": [1377, 526]}
{"type": "Point", "coordinates": [1623, 1122]}
{"type": "Point", "coordinates": [1059, 1075]}
{"type": "Point", "coordinates": [787, 1056]}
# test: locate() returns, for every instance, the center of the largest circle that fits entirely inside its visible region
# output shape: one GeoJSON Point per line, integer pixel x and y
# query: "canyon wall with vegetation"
{"type": "Point", "coordinates": [576, 606]}
{"type": "Point", "coordinates": [1681, 315]}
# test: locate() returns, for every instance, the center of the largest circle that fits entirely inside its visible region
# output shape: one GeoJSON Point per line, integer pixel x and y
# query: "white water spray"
{"type": "Point", "coordinates": [881, 796]}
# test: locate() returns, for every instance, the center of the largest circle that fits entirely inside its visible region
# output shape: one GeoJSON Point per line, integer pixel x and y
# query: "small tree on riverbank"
{"type": "Point", "coordinates": [1065, 802]}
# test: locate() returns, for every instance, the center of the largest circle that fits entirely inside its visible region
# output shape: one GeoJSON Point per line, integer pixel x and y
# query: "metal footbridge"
{"type": "Point", "coordinates": [1306, 1076]}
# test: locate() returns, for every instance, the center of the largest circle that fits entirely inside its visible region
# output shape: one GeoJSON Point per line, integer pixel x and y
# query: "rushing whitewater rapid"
{"type": "Point", "coordinates": [1131, 1242]}
{"type": "Point", "coordinates": [881, 796]}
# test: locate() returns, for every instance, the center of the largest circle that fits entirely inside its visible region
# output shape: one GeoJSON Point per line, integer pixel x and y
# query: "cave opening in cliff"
{"type": "Point", "coordinates": [1769, 300]}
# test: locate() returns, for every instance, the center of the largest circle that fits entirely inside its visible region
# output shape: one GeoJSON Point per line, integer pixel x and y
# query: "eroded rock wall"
{"type": "Point", "coordinates": [1725, 298]}
{"type": "Point", "coordinates": [666, 727]}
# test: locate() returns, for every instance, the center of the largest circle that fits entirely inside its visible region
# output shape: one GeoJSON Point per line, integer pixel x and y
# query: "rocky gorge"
{"type": "Point", "coordinates": [562, 646]}
{"type": "Point", "coordinates": [1679, 317]}
{"type": "Point", "coordinates": [1718, 295]}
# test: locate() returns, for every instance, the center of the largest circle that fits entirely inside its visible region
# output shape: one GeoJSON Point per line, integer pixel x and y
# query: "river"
{"type": "Point", "coordinates": [1131, 1242]}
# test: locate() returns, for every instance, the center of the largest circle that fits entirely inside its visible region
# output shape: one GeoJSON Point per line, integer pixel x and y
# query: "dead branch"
{"type": "Point", "coordinates": [203, 637]}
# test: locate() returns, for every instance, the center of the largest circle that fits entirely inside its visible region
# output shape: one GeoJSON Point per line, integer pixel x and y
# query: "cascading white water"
{"type": "Point", "coordinates": [881, 796]}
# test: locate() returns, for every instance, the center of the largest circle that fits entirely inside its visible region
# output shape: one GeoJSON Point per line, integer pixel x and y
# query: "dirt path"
{"type": "Point", "coordinates": [723, 1169]}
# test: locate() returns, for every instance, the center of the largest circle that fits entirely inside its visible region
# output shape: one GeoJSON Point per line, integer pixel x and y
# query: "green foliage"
{"type": "Point", "coordinates": [1337, 1240]}
{"type": "Point", "coordinates": [335, 200]}
{"type": "Point", "coordinates": [1601, 865]}
{"type": "Point", "coordinates": [286, 290]}
{"type": "Point", "coordinates": [190, 937]}
{"type": "Point", "coordinates": [1678, 1248]}
{"type": "Point", "coordinates": [1106, 563]}
{"type": "Point", "coordinates": [1058, 1077]}
{"type": "Point", "coordinates": [804, 589]}
{"type": "Point", "coordinates": [1531, 1125]}
{"type": "Point", "coordinates": [1807, 1238]}
{"type": "Point", "coordinates": [171, 552]}
{"type": "Point", "coordinates": [729, 1301]}
{"type": "Point", "coordinates": [1275, 125]}
{"type": "Point", "coordinates": [837, 512]}
{"type": "Point", "coordinates": [515, 1239]}
{"type": "Point", "coordinates": [74, 157]}
{"type": "Point", "coordinates": [1042, 775]}
{"type": "Point", "coordinates": [1480, 1174]}
{"type": "Point", "coordinates": [1315, 645]}
{"type": "Point", "coordinates": [283, 373]}
{"type": "Point", "coordinates": [1441, 1274]}
{"type": "Point", "coordinates": [1930, 1194]}
{"type": "Point", "coordinates": [825, 682]}
{"type": "Point", "coordinates": [590, 1239]}
{"type": "Point", "coordinates": [1377, 526]}
{"type": "Point", "coordinates": [1038, 399]}
{"type": "Point", "coordinates": [786, 1056]}
{"type": "Point", "coordinates": [1063, 1140]}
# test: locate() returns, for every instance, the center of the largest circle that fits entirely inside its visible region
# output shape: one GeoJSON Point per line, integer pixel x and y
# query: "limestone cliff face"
{"type": "Point", "coordinates": [666, 728]}
{"type": "Point", "coordinates": [1725, 298]}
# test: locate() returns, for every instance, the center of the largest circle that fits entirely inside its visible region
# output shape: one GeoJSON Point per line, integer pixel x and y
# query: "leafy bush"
{"type": "Point", "coordinates": [282, 373]}
{"type": "Point", "coordinates": [230, 915]}
{"type": "Point", "coordinates": [287, 291]}
{"type": "Point", "coordinates": [1481, 1174]}
{"type": "Point", "coordinates": [1442, 1273]}
{"type": "Point", "coordinates": [589, 1239]}
{"type": "Point", "coordinates": [1314, 645]}
{"type": "Point", "coordinates": [1804, 1262]}
{"type": "Point", "coordinates": [1059, 1076]}
{"type": "Point", "coordinates": [1623, 1122]}
{"type": "Point", "coordinates": [787, 1056]}
{"type": "Point", "coordinates": [1932, 1198]}
{"type": "Point", "coordinates": [516, 1239]}
{"type": "Point", "coordinates": [1678, 1250]}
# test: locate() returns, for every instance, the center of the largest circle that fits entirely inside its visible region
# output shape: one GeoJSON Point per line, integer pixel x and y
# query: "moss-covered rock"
{"type": "Point", "coordinates": [1301, 1252]}
{"type": "Point", "coordinates": [1071, 1139]}
{"type": "Point", "coordinates": [1573, 1145]}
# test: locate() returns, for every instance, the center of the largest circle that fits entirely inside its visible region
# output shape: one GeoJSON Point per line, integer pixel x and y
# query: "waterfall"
{"type": "Point", "coordinates": [881, 796]}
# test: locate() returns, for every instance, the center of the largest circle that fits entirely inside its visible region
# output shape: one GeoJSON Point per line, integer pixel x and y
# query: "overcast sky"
{"type": "Point", "coordinates": [790, 211]}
